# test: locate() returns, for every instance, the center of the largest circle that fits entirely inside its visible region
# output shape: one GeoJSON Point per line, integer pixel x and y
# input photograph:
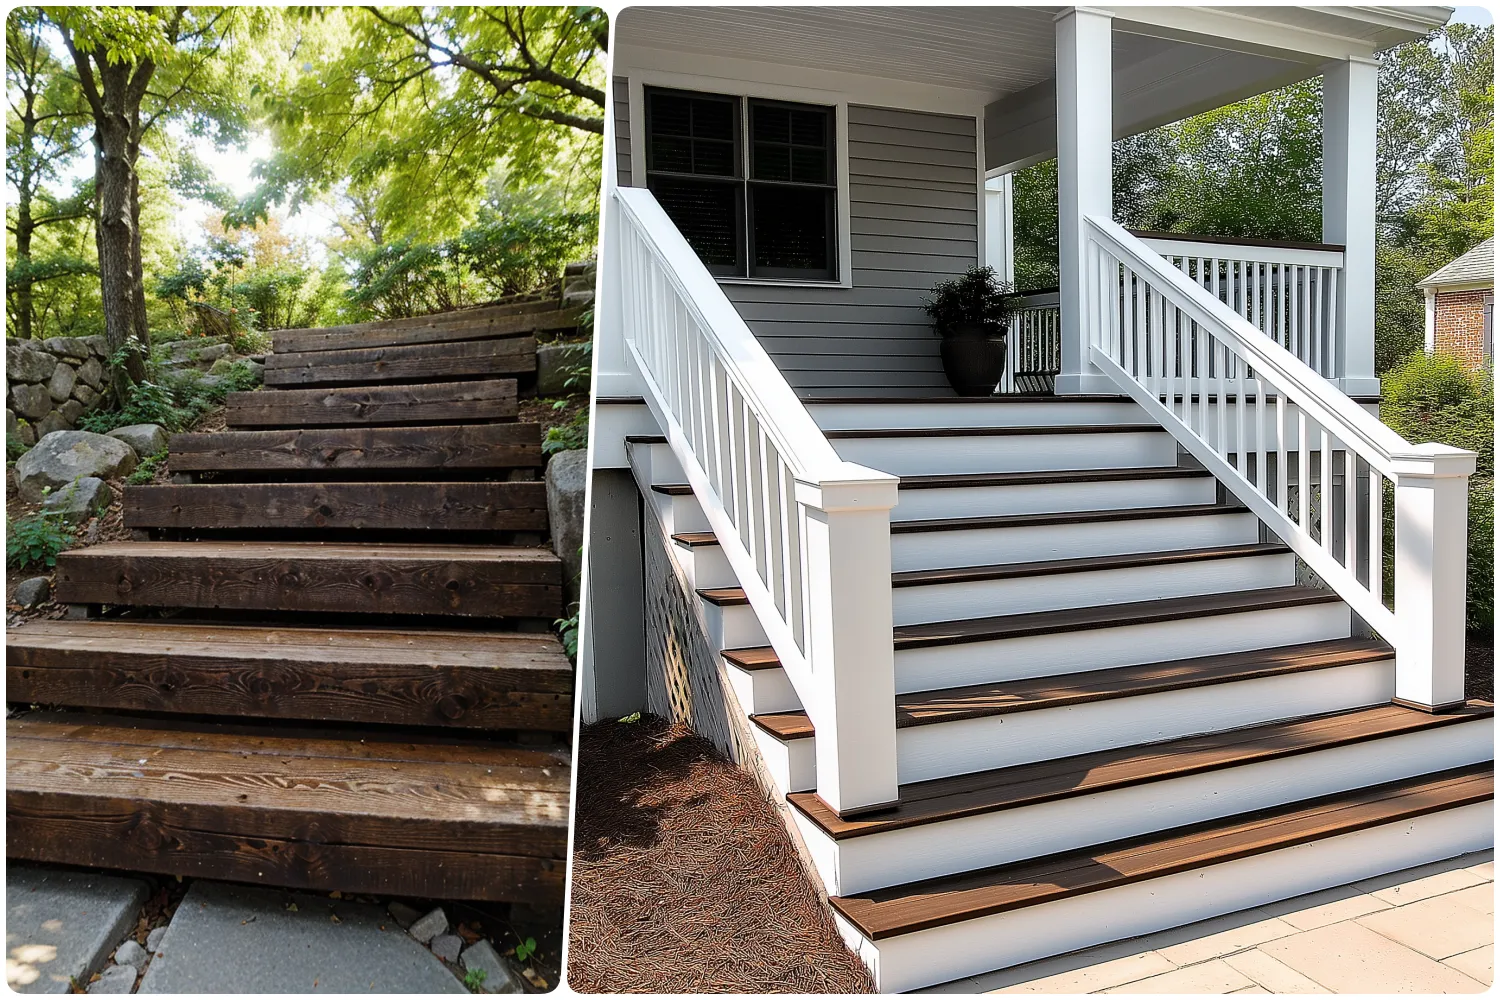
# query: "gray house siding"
{"type": "Point", "coordinates": [914, 220]}
{"type": "Point", "coordinates": [622, 131]}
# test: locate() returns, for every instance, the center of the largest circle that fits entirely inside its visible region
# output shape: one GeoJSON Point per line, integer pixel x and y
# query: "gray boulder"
{"type": "Point", "coordinates": [224, 365]}
{"type": "Point", "coordinates": [81, 499]}
{"type": "Point", "coordinates": [554, 366]}
{"type": "Point", "coordinates": [567, 484]}
{"type": "Point", "coordinates": [115, 979]}
{"type": "Point", "coordinates": [154, 939]}
{"type": "Point", "coordinates": [71, 410]}
{"type": "Point", "coordinates": [24, 363]}
{"type": "Point", "coordinates": [84, 394]}
{"type": "Point", "coordinates": [12, 426]}
{"type": "Point", "coordinates": [447, 947]}
{"type": "Point", "coordinates": [426, 928]}
{"type": "Point", "coordinates": [27, 434]}
{"type": "Point", "coordinates": [92, 372]}
{"type": "Point", "coordinates": [30, 401]}
{"type": "Point", "coordinates": [63, 456]}
{"type": "Point", "coordinates": [98, 344]}
{"type": "Point", "coordinates": [33, 591]}
{"type": "Point", "coordinates": [64, 377]}
{"type": "Point", "coordinates": [146, 439]}
{"type": "Point", "coordinates": [499, 975]}
{"type": "Point", "coordinates": [55, 420]}
{"type": "Point", "coordinates": [132, 954]}
{"type": "Point", "coordinates": [69, 347]}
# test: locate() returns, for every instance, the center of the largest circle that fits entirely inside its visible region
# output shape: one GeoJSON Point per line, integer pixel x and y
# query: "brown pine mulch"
{"type": "Point", "coordinates": [684, 878]}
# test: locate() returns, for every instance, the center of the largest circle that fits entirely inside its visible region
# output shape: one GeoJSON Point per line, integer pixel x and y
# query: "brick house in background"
{"type": "Point", "coordinates": [1461, 306]}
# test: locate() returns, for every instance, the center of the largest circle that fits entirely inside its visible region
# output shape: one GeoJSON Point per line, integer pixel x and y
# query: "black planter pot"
{"type": "Point", "coordinates": [974, 358]}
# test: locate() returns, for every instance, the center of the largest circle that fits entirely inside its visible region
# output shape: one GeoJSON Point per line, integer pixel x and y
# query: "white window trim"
{"type": "Point", "coordinates": [639, 80]}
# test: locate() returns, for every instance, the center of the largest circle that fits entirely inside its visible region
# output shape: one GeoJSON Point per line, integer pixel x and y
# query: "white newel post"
{"type": "Point", "coordinates": [1432, 489]}
{"type": "Point", "coordinates": [847, 535]}
{"type": "Point", "coordinates": [1085, 131]}
{"type": "Point", "coordinates": [999, 222]}
{"type": "Point", "coordinates": [1350, 96]}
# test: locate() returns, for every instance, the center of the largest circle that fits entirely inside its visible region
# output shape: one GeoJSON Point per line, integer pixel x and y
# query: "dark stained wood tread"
{"type": "Point", "coordinates": [482, 506]}
{"type": "Point", "coordinates": [467, 324]}
{"type": "Point", "coordinates": [785, 725]}
{"type": "Point", "coordinates": [1049, 478]}
{"type": "Point", "coordinates": [1008, 398]}
{"type": "Point", "coordinates": [1107, 616]}
{"type": "Point", "coordinates": [695, 539]}
{"type": "Point", "coordinates": [1085, 564]}
{"type": "Point", "coordinates": [367, 406]}
{"type": "Point", "coordinates": [1086, 774]}
{"type": "Point", "coordinates": [673, 489]}
{"type": "Point", "coordinates": [355, 814]}
{"type": "Point", "coordinates": [903, 432]}
{"type": "Point", "coordinates": [645, 439]}
{"type": "Point", "coordinates": [933, 903]}
{"type": "Point", "coordinates": [926, 708]}
{"type": "Point", "coordinates": [484, 680]}
{"type": "Point", "coordinates": [455, 446]}
{"type": "Point", "coordinates": [725, 597]}
{"type": "Point", "coordinates": [753, 658]}
{"type": "Point", "coordinates": [1064, 517]}
{"type": "Point", "coordinates": [412, 363]}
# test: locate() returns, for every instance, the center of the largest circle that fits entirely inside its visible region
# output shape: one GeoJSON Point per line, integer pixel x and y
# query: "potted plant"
{"type": "Point", "coordinates": [971, 313]}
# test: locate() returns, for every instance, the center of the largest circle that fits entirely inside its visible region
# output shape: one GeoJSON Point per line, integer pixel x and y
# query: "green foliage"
{"type": "Point", "coordinates": [145, 472]}
{"type": "Point", "coordinates": [474, 980]}
{"type": "Point", "coordinates": [976, 296]}
{"type": "Point", "coordinates": [14, 447]}
{"type": "Point", "coordinates": [525, 950]}
{"type": "Point", "coordinates": [567, 629]}
{"type": "Point", "coordinates": [149, 403]}
{"type": "Point", "coordinates": [1481, 582]}
{"type": "Point", "coordinates": [35, 540]}
{"type": "Point", "coordinates": [572, 434]}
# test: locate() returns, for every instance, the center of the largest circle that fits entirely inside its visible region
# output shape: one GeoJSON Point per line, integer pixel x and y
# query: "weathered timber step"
{"type": "Point", "coordinates": [1050, 780]}
{"type": "Point", "coordinates": [1062, 518]}
{"type": "Point", "coordinates": [354, 815]}
{"type": "Point", "coordinates": [437, 403]}
{"type": "Point", "coordinates": [965, 479]}
{"type": "Point", "coordinates": [978, 701]}
{"type": "Point", "coordinates": [695, 539]}
{"type": "Point", "coordinates": [725, 597]}
{"type": "Point", "coordinates": [1050, 567]}
{"type": "Point", "coordinates": [482, 680]}
{"type": "Point", "coordinates": [468, 580]}
{"type": "Point", "coordinates": [467, 324]}
{"type": "Point", "coordinates": [917, 906]}
{"type": "Point", "coordinates": [413, 363]}
{"type": "Point", "coordinates": [481, 506]}
{"type": "Point", "coordinates": [1000, 431]}
{"type": "Point", "coordinates": [463, 446]}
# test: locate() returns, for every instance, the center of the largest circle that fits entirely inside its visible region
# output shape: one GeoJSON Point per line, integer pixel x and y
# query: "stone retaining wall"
{"type": "Point", "coordinates": [51, 383]}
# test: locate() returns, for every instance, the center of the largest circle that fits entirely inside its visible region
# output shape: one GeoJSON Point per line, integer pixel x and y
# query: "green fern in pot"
{"type": "Point", "coordinates": [972, 314]}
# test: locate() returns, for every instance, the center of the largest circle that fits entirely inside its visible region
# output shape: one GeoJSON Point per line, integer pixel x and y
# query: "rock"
{"type": "Point", "coordinates": [153, 940]}
{"type": "Point", "coordinates": [224, 365]}
{"type": "Point", "coordinates": [71, 410]}
{"type": "Point", "coordinates": [64, 377]}
{"type": "Point", "coordinates": [81, 499]}
{"type": "Point", "coordinates": [194, 352]}
{"type": "Point", "coordinates": [30, 401]}
{"type": "Point", "coordinates": [55, 420]}
{"type": "Point", "coordinates": [424, 929]}
{"type": "Point", "coordinates": [555, 364]}
{"type": "Point", "coordinates": [71, 347]}
{"type": "Point", "coordinates": [499, 975]}
{"type": "Point", "coordinates": [115, 979]}
{"type": "Point", "coordinates": [33, 591]}
{"type": "Point", "coordinates": [447, 947]}
{"type": "Point", "coordinates": [24, 363]}
{"type": "Point", "coordinates": [132, 954]}
{"type": "Point", "coordinates": [146, 439]}
{"type": "Point", "coordinates": [403, 914]}
{"type": "Point", "coordinates": [63, 456]}
{"type": "Point", "coordinates": [567, 485]}
{"type": "Point", "coordinates": [92, 372]}
{"type": "Point", "coordinates": [61, 925]}
{"type": "Point", "coordinates": [98, 344]}
{"type": "Point", "coordinates": [11, 426]}
{"type": "Point", "coordinates": [84, 394]}
{"type": "Point", "coordinates": [28, 434]}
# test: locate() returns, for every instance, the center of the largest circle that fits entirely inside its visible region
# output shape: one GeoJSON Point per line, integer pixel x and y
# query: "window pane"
{"type": "Point", "coordinates": [772, 163]}
{"type": "Point", "coordinates": [713, 119]}
{"type": "Point", "coordinates": [809, 128]}
{"type": "Point", "coordinates": [770, 123]}
{"type": "Point", "coordinates": [792, 231]}
{"type": "Point", "coordinates": [671, 114]}
{"type": "Point", "coordinates": [810, 166]}
{"type": "Point", "coordinates": [707, 214]}
{"type": "Point", "coordinates": [672, 153]}
{"type": "Point", "coordinates": [712, 157]}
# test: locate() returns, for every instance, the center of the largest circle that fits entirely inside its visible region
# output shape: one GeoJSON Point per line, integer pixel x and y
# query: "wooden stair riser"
{"type": "Point", "coordinates": [791, 764]}
{"type": "Point", "coordinates": [933, 667]}
{"type": "Point", "coordinates": [924, 456]}
{"type": "Point", "coordinates": [438, 329]}
{"type": "Point", "coordinates": [762, 692]}
{"type": "Point", "coordinates": [926, 958]}
{"type": "Point", "coordinates": [980, 546]}
{"type": "Point", "coordinates": [862, 864]}
{"type": "Point", "coordinates": [368, 406]}
{"type": "Point", "coordinates": [706, 566]}
{"type": "Point", "coordinates": [972, 413]}
{"type": "Point", "coordinates": [422, 363]}
{"type": "Point", "coordinates": [1015, 595]}
{"type": "Point", "coordinates": [471, 447]}
{"type": "Point", "coordinates": [423, 507]}
{"type": "Point", "coordinates": [1049, 498]}
{"type": "Point", "coordinates": [732, 626]}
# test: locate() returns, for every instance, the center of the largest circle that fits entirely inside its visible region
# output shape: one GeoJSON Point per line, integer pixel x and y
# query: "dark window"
{"type": "Point", "coordinates": [750, 183]}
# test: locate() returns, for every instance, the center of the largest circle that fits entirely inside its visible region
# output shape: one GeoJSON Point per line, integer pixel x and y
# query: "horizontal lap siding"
{"type": "Point", "coordinates": [622, 131]}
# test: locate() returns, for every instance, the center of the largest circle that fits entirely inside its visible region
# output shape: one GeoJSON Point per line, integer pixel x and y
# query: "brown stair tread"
{"type": "Point", "coordinates": [673, 489]}
{"type": "Point", "coordinates": [369, 405]}
{"type": "Point", "coordinates": [695, 539]}
{"type": "Point", "coordinates": [1085, 564]}
{"type": "Point", "coordinates": [1064, 517]}
{"type": "Point", "coordinates": [752, 657]}
{"type": "Point", "coordinates": [1048, 478]}
{"type": "Point", "coordinates": [410, 363]}
{"type": "Point", "coordinates": [785, 725]}
{"type": "Point", "coordinates": [645, 439]}
{"type": "Point", "coordinates": [1002, 431]}
{"type": "Point", "coordinates": [360, 814]}
{"type": "Point", "coordinates": [1106, 616]}
{"type": "Point", "coordinates": [486, 680]}
{"type": "Point", "coordinates": [1027, 784]}
{"type": "Point", "coordinates": [460, 324]}
{"type": "Point", "coordinates": [725, 597]}
{"type": "Point", "coordinates": [446, 446]}
{"type": "Point", "coordinates": [936, 902]}
{"type": "Point", "coordinates": [924, 708]}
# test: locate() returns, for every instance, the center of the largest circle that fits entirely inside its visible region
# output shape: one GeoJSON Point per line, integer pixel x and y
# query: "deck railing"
{"type": "Point", "coordinates": [1311, 463]}
{"type": "Point", "coordinates": [806, 533]}
{"type": "Point", "coordinates": [1288, 291]}
{"type": "Point", "coordinates": [1033, 346]}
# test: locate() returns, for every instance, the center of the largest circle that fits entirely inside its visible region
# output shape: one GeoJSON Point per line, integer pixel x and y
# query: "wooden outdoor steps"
{"type": "Point", "coordinates": [1048, 478]}
{"type": "Point", "coordinates": [461, 324]}
{"type": "Point", "coordinates": [1048, 567]}
{"type": "Point", "coordinates": [930, 432]}
{"type": "Point", "coordinates": [904, 909]}
{"type": "Point", "coordinates": [1044, 781]}
{"type": "Point", "coordinates": [411, 363]}
{"type": "Point", "coordinates": [388, 578]}
{"type": "Point", "coordinates": [366, 815]}
{"type": "Point", "coordinates": [366, 406]}
{"type": "Point", "coordinates": [695, 539]}
{"type": "Point", "coordinates": [479, 680]}
{"type": "Point", "coordinates": [1064, 517]}
{"type": "Point", "coordinates": [479, 506]}
{"type": "Point", "coordinates": [459, 446]}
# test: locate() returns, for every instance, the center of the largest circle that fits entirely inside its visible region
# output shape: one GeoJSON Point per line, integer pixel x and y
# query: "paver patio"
{"type": "Point", "coordinates": [1423, 930]}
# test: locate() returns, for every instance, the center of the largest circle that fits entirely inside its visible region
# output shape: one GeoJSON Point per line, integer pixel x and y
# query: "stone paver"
{"type": "Point", "coordinates": [1216, 976]}
{"type": "Point", "coordinates": [1095, 977]}
{"type": "Point", "coordinates": [1348, 957]}
{"type": "Point", "coordinates": [62, 925]}
{"type": "Point", "coordinates": [1477, 964]}
{"type": "Point", "coordinates": [241, 939]}
{"type": "Point", "coordinates": [1271, 975]}
{"type": "Point", "coordinates": [1438, 927]}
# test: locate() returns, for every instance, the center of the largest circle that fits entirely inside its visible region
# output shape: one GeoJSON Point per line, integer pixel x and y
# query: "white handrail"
{"type": "Point", "coordinates": [806, 533]}
{"type": "Point", "coordinates": [1232, 397]}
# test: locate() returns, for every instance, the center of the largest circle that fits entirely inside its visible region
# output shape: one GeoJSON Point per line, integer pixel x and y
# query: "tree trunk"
{"type": "Point", "coordinates": [25, 227]}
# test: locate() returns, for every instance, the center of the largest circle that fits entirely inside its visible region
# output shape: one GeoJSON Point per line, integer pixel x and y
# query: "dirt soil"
{"type": "Point", "coordinates": [684, 878]}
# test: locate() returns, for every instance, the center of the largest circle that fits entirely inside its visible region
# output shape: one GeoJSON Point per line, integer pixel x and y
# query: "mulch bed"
{"type": "Point", "coordinates": [684, 878]}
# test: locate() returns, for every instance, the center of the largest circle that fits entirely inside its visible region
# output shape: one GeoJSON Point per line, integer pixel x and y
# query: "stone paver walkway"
{"type": "Point", "coordinates": [1423, 930]}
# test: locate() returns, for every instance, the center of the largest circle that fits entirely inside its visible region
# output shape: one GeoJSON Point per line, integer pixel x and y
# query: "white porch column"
{"type": "Point", "coordinates": [999, 222]}
{"type": "Point", "coordinates": [1350, 92]}
{"type": "Point", "coordinates": [1429, 324]}
{"type": "Point", "coordinates": [1085, 131]}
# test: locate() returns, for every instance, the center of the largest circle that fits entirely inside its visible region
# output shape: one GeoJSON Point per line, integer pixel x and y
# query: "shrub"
{"type": "Point", "coordinates": [35, 540]}
{"type": "Point", "coordinates": [568, 436]}
{"type": "Point", "coordinates": [149, 403]}
{"type": "Point", "coordinates": [145, 472]}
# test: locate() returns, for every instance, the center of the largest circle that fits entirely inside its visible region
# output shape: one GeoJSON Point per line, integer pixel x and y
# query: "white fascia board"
{"type": "Point", "coordinates": [1238, 30]}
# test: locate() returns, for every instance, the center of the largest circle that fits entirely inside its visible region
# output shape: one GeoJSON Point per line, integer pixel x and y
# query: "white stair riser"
{"type": "Point", "coordinates": [791, 763]}
{"type": "Point", "coordinates": [979, 598]}
{"type": "Point", "coordinates": [930, 668]}
{"type": "Point", "coordinates": [926, 456]}
{"type": "Point", "coordinates": [706, 565]}
{"type": "Point", "coordinates": [1051, 498]}
{"type": "Point", "coordinates": [992, 546]}
{"type": "Point", "coordinates": [941, 751]}
{"type": "Point", "coordinates": [761, 692]}
{"type": "Point", "coordinates": [941, 954]}
{"type": "Point", "coordinates": [684, 514]}
{"type": "Point", "coordinates": [733, 626]}
{"type": "Point", "coordinates": [861, 864]}
{"type": "Point", "coordinates": [864, 416]}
